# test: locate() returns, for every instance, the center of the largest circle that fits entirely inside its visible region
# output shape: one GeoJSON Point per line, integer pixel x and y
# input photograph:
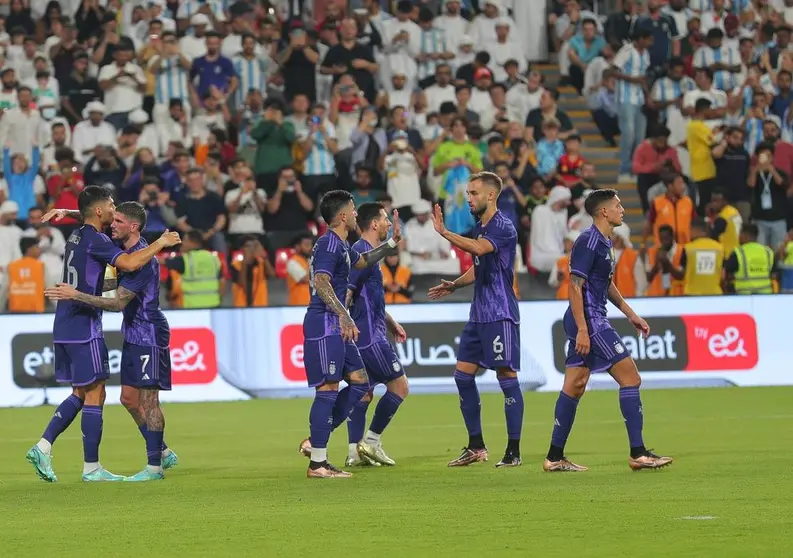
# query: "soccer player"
{"type": "Point", "coordinates": [145, 357]}
{"type": "Point", "coordinates": [80, 353]}
{"type": "Point", "coordinates": [594, 346]}
{"type": "Point", "coordinates": [367, 295]}
{"type": "Point", "coordinates": [329, 351]}
{"type": "Point", "coordinates": [491, 338]}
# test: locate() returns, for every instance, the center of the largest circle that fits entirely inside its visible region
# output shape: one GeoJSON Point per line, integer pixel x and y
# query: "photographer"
{"type": "Point", "coordinates": [403, 173]}
{"type": "Point", "coordinates": [245, 206]}
{"type": "Point", "coordinates": [320, 147]}
{"type": "Point", "coordinates": [249, 275]}
{"type": "Point", "coordinates": [159, 215]}
{"type": "Point", "coordinates": [288, 207]}
{"type": "Point", "coordinates": [105, 167]}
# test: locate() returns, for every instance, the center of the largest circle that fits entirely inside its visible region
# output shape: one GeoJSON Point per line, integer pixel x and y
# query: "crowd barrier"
{"type": "Point", "coordinates": [233, 354]}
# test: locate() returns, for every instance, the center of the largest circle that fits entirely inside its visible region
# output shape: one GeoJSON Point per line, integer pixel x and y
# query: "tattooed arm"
{"type": "Point", "coordinates": [325, 291]}
{"type": "Point", "coordinates": [348, 298]}
{"type": "Point", "coordinates": [117, 304]}
{"type": "Point", "coordinates": [110, 285]}
{"type": "Point", "coordinates": [376, 254]}
{"type": "Point", "coordinates": [61, 214]}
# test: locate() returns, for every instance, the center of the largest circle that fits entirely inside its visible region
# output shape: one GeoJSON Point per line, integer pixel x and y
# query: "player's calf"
{"type": "Point", "coordinates": [575, 381]}
{"type": "Point", "coordinates": [320, 425]}
{"type": "Point", "coordinates": [513, 412]}
{"type": "Point", "coordinates": [92, 424]}
{"type": "Point", "coordinates": [40, 455]}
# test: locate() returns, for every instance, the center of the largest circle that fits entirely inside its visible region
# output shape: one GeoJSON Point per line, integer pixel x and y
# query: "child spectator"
{"type": "Point", "coordinates": [549, 150]}
{"type": "Point", "coordinates": [570, 164]}
{"type": "Point", "coordinates": [604, 112]}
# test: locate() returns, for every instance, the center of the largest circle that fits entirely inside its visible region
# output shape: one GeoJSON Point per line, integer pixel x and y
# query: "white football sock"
{"type": "Point", "coordinates": [154, 468]}
{"type": "Point", "coordinates": [372, 438]}
{"type": "Point", "coordinates": [352, 452]}
{"type": "Point", "coordinates": [319, 455]}
{"type": "Point", "coordinates": [90, 467]}
{"type": "Point", "coordinates": [44, 446]}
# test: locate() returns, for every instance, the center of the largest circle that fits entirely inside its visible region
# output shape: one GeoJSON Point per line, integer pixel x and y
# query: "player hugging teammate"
{"type": "Point", "coordinates": [81, 357]}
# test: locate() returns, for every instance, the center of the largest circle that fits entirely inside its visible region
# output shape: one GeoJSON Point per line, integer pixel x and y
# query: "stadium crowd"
{"type": "Point", "coordinates": [229, 120]}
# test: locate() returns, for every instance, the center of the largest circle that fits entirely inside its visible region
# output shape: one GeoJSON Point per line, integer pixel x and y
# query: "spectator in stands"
{"type": "Point", "coordinates": [64, 188]}
{"type": "Point", "coordinates": [653, 156]}
{"type": "Point", "coordinates": [213, 71]}
{"type": "Point", "coordinates": [58, 141]}
{"type": "Point", "coordinates": [629, 274]}
{"type": "Point", "coordinates": [620, 24]}
{"type": "Point", "coordinates": [726, 222]}
{"type": "Point", "coordinates": [456, 151]}
{"type": "Point", "coordinates": [548, 229]}
{"type": "Point", "coordinates": [579, 220]}
{"type": "Point", "coordinates": [668, 91]}
{"type": "Point", "coordinates": [430, 253]}
{"type": "Point", "coordinates": [10, 236]}
{"type": "Point", "coordinates": [721, 59]}
{"type": "Point", "coordinates": [27, 280]}
{"type": "Point", "coordinates": [196, 276]}
{"type": "Point", "coordinates": [752, 267]}
{"type": "Point", "coordinates": [363, 185]}
{"type": "Point", "coordinates": [699, 140]}
{"type": "Point", "coordinates": [632, 64]}
{"type": "Point", "coordinates": [466, 72]}
{"type": "Point", "coordinates": [214, 177]}
{"type": "Point", "coordinates": [50, 241]}
{"type": "Point", "coordinates": [194, 45]}
{"type": "Point", "coordinates": [21, 125]}
{"type": "Point", "coordinates": [105, 167]}
{"type": "Point", "coordinates": [674, 208]}
{"type": "Point", "coordinates": [769, 186]}
{"type": "Point", "coordinates": [783, 151]}
{"type": "Point", "coordinates": [604, 109]}
{"type": "Point", "coordinates": [664, 272]}
{"type": "Point", "coordinates": [585, 46]}
{"type": "Point", "coordinates": [732, 170]}
{"type": "Point", "coordinates": [784, 97]}
{"type": "Point", "coordinates": [212, 115]}
{"type": "Point", "coordinates": [245, 206]}
{"type": "Point", "coordinates": [664, 31]}
{"type": "Point", "coordinates": [523, 98]}
{"type": "Point", "coordinates": [442, 90]}
{"type": "Point", "coordinates": [559, 277]}
{"type": "Point", "coordinates": [123, 83]}
{"type": "Point", "coordinates": [21, 182]}
{"type": "Point", "coordinates": [504, 48]}
{"type": "Point", "coordinates": [297, 62]}
{"type": "Point", "coordinates": [463, 97]}
{"type": "Point", "coordinates": [397, 281]}
{"type": "Point", "coordinates": [202, 211]}
{"type": "Point", "coordinates": [348, 57]}
{"type": "Point", "coordinates": [297, 270]}
{"type": "Point", "coordinates": [274, 138]}
{"type": "Point", "coordinates": [549, 109]}
{"type": "Point", "coordinates": [159, 215]}
{"type": "Point", "coordinates": [249, 274]}
{"type": "Point", "coordinates": [511, 201]}
{"type": "Point", "coordinates": [569, 167]}
{"type": "Point", "coordinates": [288, 207]}
{"type": "Point", "coordinates": [403, 174]}
{"type": "Point", "coordinates": [92, 132]}
{"type": "Point", "coordinates": [320, 147]}
{"type": "Point", "coordinates": [549, 150]}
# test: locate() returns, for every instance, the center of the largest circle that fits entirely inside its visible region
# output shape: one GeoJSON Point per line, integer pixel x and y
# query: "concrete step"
{"type": "Point", "coordinates": [598, 153]}
{"type": "Point", "coordinates": [574, 104]}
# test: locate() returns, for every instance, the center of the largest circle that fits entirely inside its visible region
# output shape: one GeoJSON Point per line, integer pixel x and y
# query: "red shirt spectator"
{"type": "Point", "coordinates": [652, 154]}
{"type": "Point", "coordinates": [570, 168]}
{"type": "Point", "coordinates": [63, 190]}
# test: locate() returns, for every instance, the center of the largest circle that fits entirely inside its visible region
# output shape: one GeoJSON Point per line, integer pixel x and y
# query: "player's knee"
{"type": "Point", "coordinates": [328, 386]}
{"type": "Point", "coordinates": [368, 397]}
{"type": "Point", "coordinates": [399, 387]}
{"type": "Point", "coordinates": [358, 377]}
{"type": "Point", "coordinates": [79, 393]}
{"type": "Point", "coordinates": [631, 381]}
{"type": "Point", "coordinates": [575, 385]}
{"type": "Point", "coordinates": [95, 394]}
{"type": "Point", "coordinates": [129, 399]}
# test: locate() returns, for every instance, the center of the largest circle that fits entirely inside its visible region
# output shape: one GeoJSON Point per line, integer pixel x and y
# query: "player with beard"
{"type": "Point", "coordinates": [81, 357]}
{"type": "Point", "coordinates": [491, 338]}
{"type": "Point", "coordinates": [329, 350]}
{"type": "Point", "coordinates": [145, 357]}
{"type": "Point", "coordinates": [594, 345]}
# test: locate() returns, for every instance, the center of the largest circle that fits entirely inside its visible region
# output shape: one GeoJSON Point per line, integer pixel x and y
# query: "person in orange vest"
{"type": "Point", "coordinates": [560, 275]}
{"type": "Point", "coordinates": [297, 270]}
{"type": "Point", "coordinates": [664, 272]}
{"type": "Point", "coordinates": [674, 208]}
{"type": "Point", "coordinates": [397, 281]}
{"type": "Point", "coordinates": [629, 275]}
{"type": "Point", "coordinates": [26, 281]}
{"type": "Point", "coordinates": [249, 275]}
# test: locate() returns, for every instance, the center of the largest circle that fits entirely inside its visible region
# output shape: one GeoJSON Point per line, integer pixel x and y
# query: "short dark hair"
{"type": "Point", "coordinates": [332, 203]}
{"type": "Point", "coordinates": [494, 139]}
{"type": "Point", "coordinates": [90, 197]}
{"type": "Point", "coordinates": [150, 179]}
{"type": "Point", "coordinates": [668, 178]}
{"type": "Point", "coordinates": [764, 146]}
{"type": "Point", "coordinates": [488, 178]}
{"type": "Point", "coordinates": [666, 229]}
{"type": "Point", "coordinates": [700, 224]}
{"type": "Point", "coordinates": [27, 243]}
{"type": "Point", "coordinates": [784, 73]}
{"type": "Point", "coordinates": [210, 34]}
{"type": "Point", "coordinates": [194, 236]}
{"type": "Point", "coordinates": [368, 212]}
{"type": "Point", "coordinates": [660, 131]}
{"type": "Point", "coordinates": [750, 230]}
{"type": "Point", "coordinates": [702, 105]}
{"type": "Point", "coordinates": [598, 198]}
{"type": "Point", "coordinates": [641, 33]}
{"type": "Point", "coordinates": [301, 236]}
{"type": "Point", "coordinates": [707, 71]}
{"type": "Point", "coordinates": [134, 212]}
{"type": "Point", "coordinates": [194, 170]}
{"type": "Point", "coordinates": [676, 62]}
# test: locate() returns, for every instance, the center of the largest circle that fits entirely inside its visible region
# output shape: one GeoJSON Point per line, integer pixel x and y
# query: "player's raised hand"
{"type": "Point", "coordinates": [641, 326]}
{"type": "Point", "coordinates": [170, 238]}
{"type": "Point", "coordinates": [349, 332]}
{"type": "Point", "coordinates": [439, 291]}
{"type": "Point", "coordinates": [53, 214]}
{"type": "Point", "coordinates": [400, 336]}
{"type": "Point", "coordinates": [582, 343]}
{"type": "Point", "coordinates": [437, 220]}
{"type": "Point", "coordinates": [61, 291]}
{"type": "Point", "coordinates": [397, 236]}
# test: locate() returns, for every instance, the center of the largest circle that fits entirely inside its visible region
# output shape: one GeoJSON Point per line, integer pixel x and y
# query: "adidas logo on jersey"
{"type": "Point", "coordinates": [499, 357]}
{"type": "Point", "coordinates": [146, 377]}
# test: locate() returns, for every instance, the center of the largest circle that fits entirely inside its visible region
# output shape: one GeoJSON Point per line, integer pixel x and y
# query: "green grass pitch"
{"type": "Point", "coordinates": [241, 488]}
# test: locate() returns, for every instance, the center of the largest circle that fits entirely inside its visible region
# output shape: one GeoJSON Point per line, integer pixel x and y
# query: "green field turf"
{"type": "Point", "coordinates": [241, 488]}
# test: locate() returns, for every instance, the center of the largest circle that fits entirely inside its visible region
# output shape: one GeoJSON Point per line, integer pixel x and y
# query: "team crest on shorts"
{"type": "Point", "coordinates": [395, 365]}
{"type": "Point", "coordinates": [619, 348]}
{"type": "Point", "coordinates": [332, 369]}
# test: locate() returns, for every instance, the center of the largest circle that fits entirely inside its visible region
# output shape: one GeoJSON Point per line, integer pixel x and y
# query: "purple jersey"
{"type": "Point", "coordinates": [144, 322]}
{"type": "Point", "coordinates": [592, 259]}
{"type": "Point", "coordinates": [494, 299]}
{"type": "Point", "coordinates": [331, 256]}
{"type": "Point", "coordinates": [87, 254]}
{"type": "Point", "coordinates": [368, 302]}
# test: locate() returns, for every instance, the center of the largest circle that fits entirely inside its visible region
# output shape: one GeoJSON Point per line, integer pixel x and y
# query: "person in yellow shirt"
{"type": "Point", "coordinates": [702, 261]}
{"type": "Point", "coordinates": [752, 268]}
{"type": "Point", "coordinates": [699, 138]}
{"type": "Point", "coordinates": [727, 222]}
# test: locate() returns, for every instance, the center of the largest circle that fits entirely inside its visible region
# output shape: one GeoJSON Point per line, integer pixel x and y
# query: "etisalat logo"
{"type": "Point", "coordinates": [689, 343]}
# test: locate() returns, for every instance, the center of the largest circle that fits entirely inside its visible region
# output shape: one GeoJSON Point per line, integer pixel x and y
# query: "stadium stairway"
{"type": "Point", "coordinates": [596, 150]}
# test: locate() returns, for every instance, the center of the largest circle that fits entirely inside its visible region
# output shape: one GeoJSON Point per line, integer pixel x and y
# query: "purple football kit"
{"type": "Point", "coordinates": [80, 352]}
{"type": "Point", "coordinates": [592, 259]}
{"type": "Point", "coordinates": [326, 356]}
{"type": "Point", "coordinates": [491, 338]}
{"type": "Point", "coordinates": [146, 357]}
{"type": "Point", "coordinates": [368, 312]}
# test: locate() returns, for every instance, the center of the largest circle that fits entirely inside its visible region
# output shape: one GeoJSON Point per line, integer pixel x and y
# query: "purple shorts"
{"type": "Point", "coordinates": [605, 350]}
{"type": "Point", "coordinates": [491, 345]}
{"type": "Point", "coordinates": [329, 359]}
{"type": "Point", "coordinates": [81, 364]}
{"type": "Point", "coordinates": [145, 367]}
{"type": "Point", "coordinates": [382, 363]}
